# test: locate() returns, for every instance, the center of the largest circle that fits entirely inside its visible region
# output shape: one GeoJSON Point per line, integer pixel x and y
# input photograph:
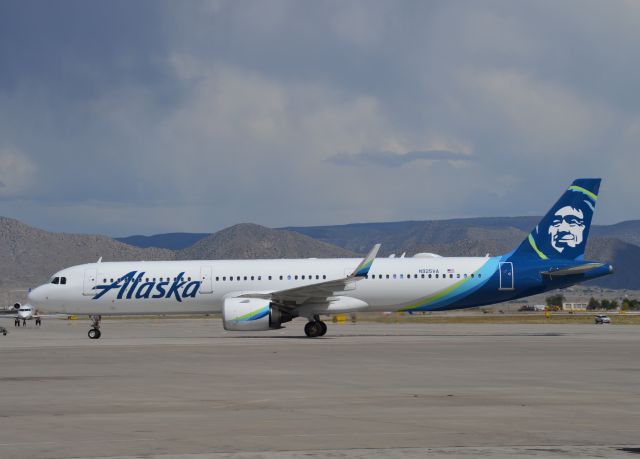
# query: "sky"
{"type": "Point", "coordinates": [146, 117]}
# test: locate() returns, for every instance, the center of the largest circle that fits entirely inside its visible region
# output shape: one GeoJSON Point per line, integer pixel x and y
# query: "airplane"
{"type": "Point", "coordinates": [23, 312]}
{"type": "Point", "coordinates": [256, 295]}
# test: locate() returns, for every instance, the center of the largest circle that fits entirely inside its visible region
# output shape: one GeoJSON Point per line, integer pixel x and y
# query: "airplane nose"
{"type": "Point", "coordinates": [36, 296]}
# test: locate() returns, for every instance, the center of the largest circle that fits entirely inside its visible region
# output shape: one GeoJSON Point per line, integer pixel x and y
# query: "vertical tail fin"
{"type": "Point", "coordinates": [563, 232]}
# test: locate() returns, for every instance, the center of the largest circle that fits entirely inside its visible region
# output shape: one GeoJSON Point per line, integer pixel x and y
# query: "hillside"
{"type": "Point", "coordinates": [28, 256]}
{"type": "Point", "coordinates": [245, 241]}
{"type": "Point", "coordinates": [477, 237]}
{"type": "Point", "coordinates": [171, 241]}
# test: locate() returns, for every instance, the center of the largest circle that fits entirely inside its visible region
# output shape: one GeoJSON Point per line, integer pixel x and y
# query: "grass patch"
{"type": "Point", "coordinates": [616, 319]}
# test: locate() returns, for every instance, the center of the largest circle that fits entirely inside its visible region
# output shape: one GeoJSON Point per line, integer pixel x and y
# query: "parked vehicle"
{"type": "Point", "coordinates": [602, 319]}
{"type": "Point", "coordinates": [3, 331]}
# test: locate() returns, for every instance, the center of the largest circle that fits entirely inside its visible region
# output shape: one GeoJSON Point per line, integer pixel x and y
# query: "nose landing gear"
{"type": "Point", "coordinates": [94, 332]}
{"type": "Point", "coordinates": [315, 328]}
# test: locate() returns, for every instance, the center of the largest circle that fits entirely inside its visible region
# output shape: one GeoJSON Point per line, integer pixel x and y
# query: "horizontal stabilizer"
{"type": "Point", "coordinates": [580, 269]}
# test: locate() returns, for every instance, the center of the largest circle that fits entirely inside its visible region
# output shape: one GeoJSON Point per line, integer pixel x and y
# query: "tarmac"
{"type": "Point", "coordinates": [185, 388]}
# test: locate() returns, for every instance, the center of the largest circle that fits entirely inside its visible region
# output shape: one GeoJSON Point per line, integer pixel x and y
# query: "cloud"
{"type": "Point", "coordinates": [165, 115]}
{"type": "Point", "coordinates": [16, 173]}
{"type": "Point", "coordinates": [389, 159]}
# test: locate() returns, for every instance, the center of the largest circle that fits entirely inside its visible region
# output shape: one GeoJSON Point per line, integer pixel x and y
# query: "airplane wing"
{"type": "Point", "coordinates": [318, 292]}
{"type": "Point", "coordinates": [580, 269]}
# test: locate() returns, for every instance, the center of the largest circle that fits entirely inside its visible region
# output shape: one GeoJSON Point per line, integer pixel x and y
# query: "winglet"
{"type": "Point", "coordinates": [364, 266]}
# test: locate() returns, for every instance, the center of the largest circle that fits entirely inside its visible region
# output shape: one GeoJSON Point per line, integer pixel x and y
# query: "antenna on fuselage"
{"type": "Point", "coordinates": [99, 260]}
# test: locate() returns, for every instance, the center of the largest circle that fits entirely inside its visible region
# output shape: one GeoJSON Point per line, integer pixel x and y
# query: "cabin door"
{"type": "Point", "coordinates": [88, 287]}
{"type": "Point", "coordinates": [506, 275]}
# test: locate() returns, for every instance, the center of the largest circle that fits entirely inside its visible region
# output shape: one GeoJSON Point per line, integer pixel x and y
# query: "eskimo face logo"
{"type": "Point", "coordinates": [567, 228]}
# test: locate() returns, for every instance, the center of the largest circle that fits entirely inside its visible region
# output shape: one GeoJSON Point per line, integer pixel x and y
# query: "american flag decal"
{"type": "Point", "coordinates": [451, 271]}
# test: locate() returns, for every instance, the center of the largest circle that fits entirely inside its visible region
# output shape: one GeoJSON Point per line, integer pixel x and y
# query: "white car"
{"type": "Point", "coordinates": [602, 319]}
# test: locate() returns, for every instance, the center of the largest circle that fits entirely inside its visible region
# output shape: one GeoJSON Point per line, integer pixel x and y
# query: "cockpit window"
{"type": "Point", "coordinates": [56, 280]}
{"type": "Point", "coordinates": [63, 280]}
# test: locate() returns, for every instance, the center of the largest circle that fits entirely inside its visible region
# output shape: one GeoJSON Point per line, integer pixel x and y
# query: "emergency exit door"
{"type": "Point", "coordinates": [207, 280]}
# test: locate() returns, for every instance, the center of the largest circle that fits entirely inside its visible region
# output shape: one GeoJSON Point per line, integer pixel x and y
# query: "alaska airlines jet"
{"type": "Point", "coordinates": [263, 294]}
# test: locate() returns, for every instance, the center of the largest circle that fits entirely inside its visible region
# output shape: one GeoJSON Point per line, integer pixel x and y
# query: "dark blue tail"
{"type": "Point", "coordinates": [563, 232]}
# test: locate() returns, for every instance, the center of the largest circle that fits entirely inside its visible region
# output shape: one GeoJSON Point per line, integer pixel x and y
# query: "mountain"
{"type": "Point", "coordinates": [171, 241]}
{"type": "Point", "coordinates": [28, 256]}
{"type": "Point", "coordinates": [506, 232]}
{"type": "Point", "coordinates": [479, 236]}
{"type": "Point", "coordinates": [624, 257]}
{"type": "Point", "coordinates": [445, 237]}
{"type": "Point", "coordinates": [628, 231]}
{"type": "Point", "coordinates": [245, 241]}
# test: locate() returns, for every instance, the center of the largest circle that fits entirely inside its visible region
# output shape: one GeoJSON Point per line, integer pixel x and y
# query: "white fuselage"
{"type": "Point", "coordinates": [25, 313]}
{"type": "Point", "coordinates": [187, 287]}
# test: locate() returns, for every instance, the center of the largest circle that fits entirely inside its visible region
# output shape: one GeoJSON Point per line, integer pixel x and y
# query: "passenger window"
{"type": "Point", "coordinates": [289, 277]}
{"type": "Point", "coordinates": [324, 276]}
{"type": "Point", "coordinates": [259, 277]}
{"type": "Point", "coordinates": [269, 277]}
{"type": "Point", "coordinates": [472, 275]}
{"type": "Point", "coordinates": [296, 277]}
{"type": "Point", "coordinates": [479, 275]}
{"type": "Point", "coordinates": [450, 276]}
{"type": "Point", "coordinates": [112, 280]}
{"type": "Point", "coordinates": [458, 276]}
{"type": "Point", "coordinates": [104, 281]}
{"type": "Point", "coordinates": [303, 277]}
{"type": "Point", "coordinates": [280, 277]}
{"type": "Point", "coordinates": [437, 276]}
{"type": "Point", "coordinates": [394, 276]}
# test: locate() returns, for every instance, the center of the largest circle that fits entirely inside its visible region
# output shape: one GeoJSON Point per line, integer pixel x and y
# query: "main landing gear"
{"type": "Point", "coordinates": [315, 328]}
{"type": "Point", "coordinates": [94, 332]}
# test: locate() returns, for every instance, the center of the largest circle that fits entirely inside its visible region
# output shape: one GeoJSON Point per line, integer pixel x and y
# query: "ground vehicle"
{"type": "Point", "coordinates": [3, 331]}
{"type": "Point", "coordinates": [602, 319]}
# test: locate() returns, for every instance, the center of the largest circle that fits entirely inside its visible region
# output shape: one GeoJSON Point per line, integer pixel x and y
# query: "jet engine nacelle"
{"type": "Point", "coordinates": [252, 314]}
{"type": "Point", "coordinates": [16, 306]}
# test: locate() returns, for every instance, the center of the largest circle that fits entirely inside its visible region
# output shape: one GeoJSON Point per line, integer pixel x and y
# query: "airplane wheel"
{"type": "Point", "coordinates": [313, 329]}
{"type": "Point", "coordinates": [323, 326]}
{"type": "Point", "coordinates": [94, 333]}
